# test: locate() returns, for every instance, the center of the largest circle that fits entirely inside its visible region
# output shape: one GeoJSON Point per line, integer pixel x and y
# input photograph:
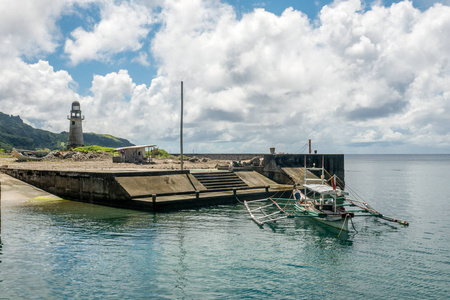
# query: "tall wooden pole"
{"type": "Point", "coordinates": [0, 211]}
{"type": "Point", "coordinates": [309, 146]}
{"type": "Point", "coordinates": [181, 127]}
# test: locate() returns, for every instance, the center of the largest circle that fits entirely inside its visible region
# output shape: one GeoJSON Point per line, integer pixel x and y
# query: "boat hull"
{"type": "Point", "coordinates": [341, 224]}
{"type": "Point", "coordinates": [26, 155]}
{"type": "Point", "coordinates": [334, 220]}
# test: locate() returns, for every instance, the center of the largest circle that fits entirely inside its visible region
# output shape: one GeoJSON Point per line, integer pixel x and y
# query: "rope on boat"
{"type": "Point", "coordinates": [238, 199]}
{"type": "Point", "coordinates": [343, 225]}
{"type": "Point", "coordinates": [353, 225]}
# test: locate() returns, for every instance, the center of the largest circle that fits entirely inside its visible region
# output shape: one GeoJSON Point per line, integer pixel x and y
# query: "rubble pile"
{"type": "Point", "coordinates": [77, 156]}
{"type": "Point", "coordinates": [254, 162]}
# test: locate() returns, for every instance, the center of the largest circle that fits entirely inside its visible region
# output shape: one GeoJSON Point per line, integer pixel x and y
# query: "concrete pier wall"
{"type": "Point", "coordinates": [147, 190]}
{"type": "Point", "coordinates": [81, 186]}
{"type": "Point", "coordinates": [274, 165]}
{"type": "Point", "coordinates": [225, 156]}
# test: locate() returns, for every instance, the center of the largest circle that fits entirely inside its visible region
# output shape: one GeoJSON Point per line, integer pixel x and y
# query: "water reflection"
{"type": "Point", "coordinates": [182, 267]}
{"type": "Point", "coordinates": [311, 230]}
{"type": "Point", "coordinates": [71, 214]}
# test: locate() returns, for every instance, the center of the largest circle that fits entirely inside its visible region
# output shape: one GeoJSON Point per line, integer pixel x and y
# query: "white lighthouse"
{"type": "Point", "coordinates": [76, 129]}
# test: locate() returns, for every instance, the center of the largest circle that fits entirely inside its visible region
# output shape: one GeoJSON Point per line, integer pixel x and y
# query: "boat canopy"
{"type": "Point", "coordinates": [323, 189]}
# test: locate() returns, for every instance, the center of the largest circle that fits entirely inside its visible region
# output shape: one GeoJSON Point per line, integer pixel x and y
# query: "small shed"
{"type": "Point", "coordinates": [134, 154]}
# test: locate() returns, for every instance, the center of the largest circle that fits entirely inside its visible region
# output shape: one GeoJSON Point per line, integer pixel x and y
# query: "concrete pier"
{"type": "Point", "coordinates": [151, 190]}
{"type": "Point", "coordinates": [159, 190]}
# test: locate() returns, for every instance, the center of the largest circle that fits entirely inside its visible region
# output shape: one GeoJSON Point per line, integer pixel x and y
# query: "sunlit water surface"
{"type": "Point", "coordinates": [65, 249]}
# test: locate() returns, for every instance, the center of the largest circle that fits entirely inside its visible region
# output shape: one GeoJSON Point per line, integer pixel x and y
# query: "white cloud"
{"type": "Point", "coordinates": [120, 107]}
{"type": "Point", "coordinates": [41, 96]}
{"type": "Point", "coordinates": [121, 28]}
{"type": "Point", "coordinates": [265, 78]}
{"type": "Point", "coordinates": [27, 27]}
{"type": "Point", "coordinates": [142, 59]}
{"type": "Point", "coordinates": [375, 78]}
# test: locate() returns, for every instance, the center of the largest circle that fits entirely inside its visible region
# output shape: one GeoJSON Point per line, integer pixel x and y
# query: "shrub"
{"type": "Point", "coordinates": [161, 153]}
{"type": "Point", "coordinates": [94, 149]}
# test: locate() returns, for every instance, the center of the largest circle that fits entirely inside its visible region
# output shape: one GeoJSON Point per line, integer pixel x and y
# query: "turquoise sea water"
{"type": "Point", "coordinates": [70, 250]}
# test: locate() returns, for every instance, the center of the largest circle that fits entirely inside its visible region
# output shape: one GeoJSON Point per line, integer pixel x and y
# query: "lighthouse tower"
{"type": "Point", "coordinates": [76, 129]}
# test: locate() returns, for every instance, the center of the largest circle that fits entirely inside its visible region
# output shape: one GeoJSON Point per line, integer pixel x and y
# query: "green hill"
{"type": "Point", "coordinates": [15, 133]}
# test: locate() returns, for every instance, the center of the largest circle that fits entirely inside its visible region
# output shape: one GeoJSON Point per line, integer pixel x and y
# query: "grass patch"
{"type": "Point", "coordinates": [161, 153]}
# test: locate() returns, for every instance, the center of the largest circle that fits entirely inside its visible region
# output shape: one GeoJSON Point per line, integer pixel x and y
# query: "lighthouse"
{"type": "Point", "coordinates": [76, 129]}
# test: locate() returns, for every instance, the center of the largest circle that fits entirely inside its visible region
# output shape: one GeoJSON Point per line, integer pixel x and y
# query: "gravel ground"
{"type": "Point", "coordinates": [104, 162]}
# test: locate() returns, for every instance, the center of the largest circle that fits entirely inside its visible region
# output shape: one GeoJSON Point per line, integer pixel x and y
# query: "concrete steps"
{"type": "Point", "coordinates": [220, 180]}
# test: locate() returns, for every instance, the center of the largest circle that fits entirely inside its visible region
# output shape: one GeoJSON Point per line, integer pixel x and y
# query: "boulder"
{"type": "Point", "coordinates": [68, 155]}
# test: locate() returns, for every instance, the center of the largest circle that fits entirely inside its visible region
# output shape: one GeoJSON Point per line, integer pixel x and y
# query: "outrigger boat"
{"type": "Point", "coordinates": [325, 203]}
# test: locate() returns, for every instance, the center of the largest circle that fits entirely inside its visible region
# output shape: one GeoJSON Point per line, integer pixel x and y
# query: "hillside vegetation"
{"type": "Point", "coordinates": [14, 133]}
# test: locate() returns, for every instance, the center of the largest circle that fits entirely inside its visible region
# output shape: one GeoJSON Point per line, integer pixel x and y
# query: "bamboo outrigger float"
{"type": "Point", "coordinates": [315, 199]}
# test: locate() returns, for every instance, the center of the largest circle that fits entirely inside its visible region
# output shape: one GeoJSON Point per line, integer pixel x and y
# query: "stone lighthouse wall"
{"type": "Point", "coordinates": [75, 134]}
{"type": "Point", "coordinates": [76, 127]}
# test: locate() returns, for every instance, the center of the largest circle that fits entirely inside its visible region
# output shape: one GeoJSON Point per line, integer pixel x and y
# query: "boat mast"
{"type": "Point", "coordinates": [334, 194]}
{"type": "Point", "coordinates": [181, 127]}
{"type": "Point", "coordinates": [304, 178]}
{"type": "Point", "coordinates": [323, 169]}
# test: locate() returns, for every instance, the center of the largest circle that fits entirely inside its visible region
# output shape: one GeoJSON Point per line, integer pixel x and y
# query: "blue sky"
{"type": "Point", "coordinates": [354, 76]}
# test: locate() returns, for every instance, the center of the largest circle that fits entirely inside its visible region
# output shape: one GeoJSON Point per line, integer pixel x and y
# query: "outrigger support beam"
{"type": "Point", "coordinates": [394, 220]}
{"type": "Point", "coordinates": [375, 213]}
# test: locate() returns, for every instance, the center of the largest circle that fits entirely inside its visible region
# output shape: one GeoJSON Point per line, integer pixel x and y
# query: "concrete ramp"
{"type": "Point", "coordinates": [136, 186]}
{"type": "Point", "coordinates": [297, 175]}
{"type": "Point", "coordinates": [253, 179]}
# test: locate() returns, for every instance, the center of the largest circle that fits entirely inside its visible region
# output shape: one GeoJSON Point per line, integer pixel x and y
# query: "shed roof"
{"type": "Point", "coordinates": [135, 147]}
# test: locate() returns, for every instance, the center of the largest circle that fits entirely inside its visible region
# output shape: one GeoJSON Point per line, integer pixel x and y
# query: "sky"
{"type": "Point", "coordinates": [355, 77]}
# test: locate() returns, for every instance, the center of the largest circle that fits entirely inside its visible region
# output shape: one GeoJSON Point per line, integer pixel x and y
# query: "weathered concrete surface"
{"type": "Point", "coordinates": [225, 156]}
{"type": "Point", "coordinates": [197, 185]}
{"type": "Point", "coordinates": [163, 184]}
{"type": "Point", "coordinates": [253, 179]}
{"type": "Point", "coordinates": [173, 189]}
{"type": "Point", "coordinates": [91, 187]}
{"type": "Point", "coordinates": [298, 175]}
{"type": "Point", "coordinates": [167, 203]}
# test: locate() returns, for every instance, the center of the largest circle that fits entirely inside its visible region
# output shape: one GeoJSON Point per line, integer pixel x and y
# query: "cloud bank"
{"type": "Point", "coordinates": [358, 79]}
{"type": "Point", "coordinates": [121, 28]}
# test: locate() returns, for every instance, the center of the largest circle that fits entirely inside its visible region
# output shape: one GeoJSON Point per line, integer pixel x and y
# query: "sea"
{"type": "Point", "coordinates": [68, 250]}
